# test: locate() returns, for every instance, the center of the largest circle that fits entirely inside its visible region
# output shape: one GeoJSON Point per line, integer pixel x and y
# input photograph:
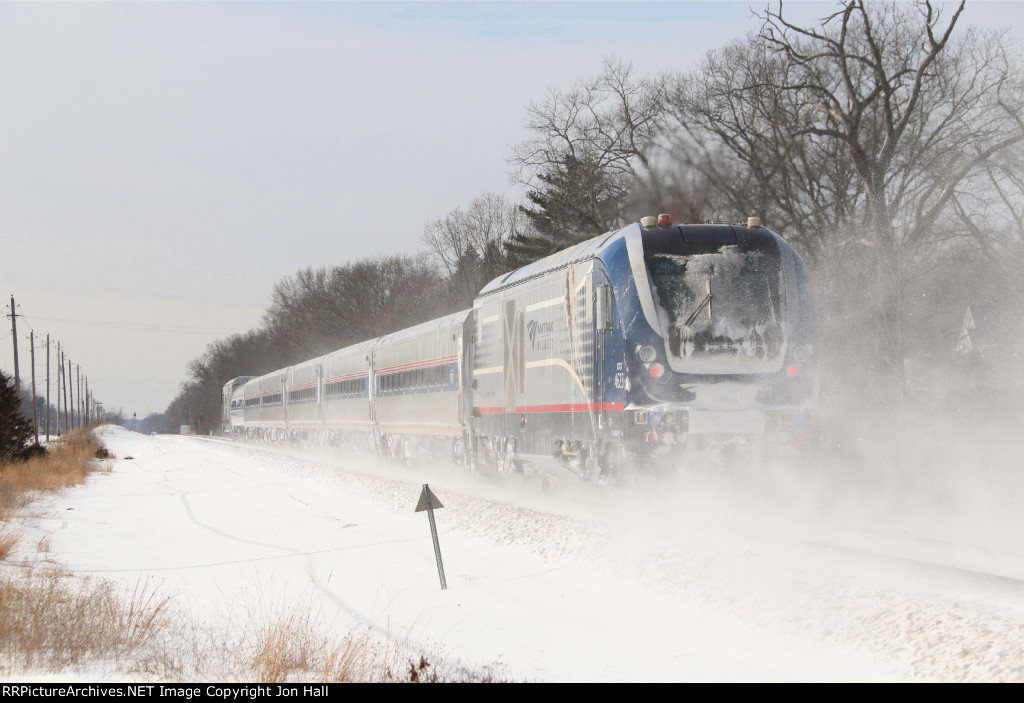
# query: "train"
{"type": "Point", "coordinates": [623, 353]}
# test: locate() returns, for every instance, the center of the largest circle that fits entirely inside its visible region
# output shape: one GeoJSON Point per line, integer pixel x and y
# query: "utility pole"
{"type": "Point", "coordinates": [35, 413]}
{"type": "Point", "coordinates": [78, 385]}
{"type": "Point", "coordinates": [60, 368]}
{"type": "Point", "coordinates": [47, 387]}
{"type": "Point", "coordinates": [64, 390]}
{"type": "Point", "coordinates": [69, 383]}
{"type": "Point", "coordinates": [14, 337]}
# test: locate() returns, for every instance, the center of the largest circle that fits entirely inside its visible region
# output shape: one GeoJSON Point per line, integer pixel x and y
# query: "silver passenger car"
{"type": "Point", "coordinates": [419, 391]}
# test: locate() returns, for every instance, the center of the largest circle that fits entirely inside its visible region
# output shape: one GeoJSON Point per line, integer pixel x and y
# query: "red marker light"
{"type": "Point", "coordinates": [792, 371]}
{"type": "Point", "coordinates": [664, 220]}
{"type": "Point", "coordinates": [657, 370]}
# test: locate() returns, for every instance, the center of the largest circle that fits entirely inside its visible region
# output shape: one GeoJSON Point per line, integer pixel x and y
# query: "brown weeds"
{"type": "Point", "coordinates": [138, 616]}
{"type": "Point", "coordinates": [67, 462]}
{"type": "Point", "coordinates": [287, 645]}
{"type": "Point", "coordinates": [51, 621]}
{"type": "Point", "coordinates": [355, 659]}
{"type": "Point", "coordinates": [293, 648]}
{"type": "Point", "coordinates": [8, 540]}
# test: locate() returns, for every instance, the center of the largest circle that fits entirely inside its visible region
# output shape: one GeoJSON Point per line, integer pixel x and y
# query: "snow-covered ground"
{"type": "Point", "coordinates": [686, 580]}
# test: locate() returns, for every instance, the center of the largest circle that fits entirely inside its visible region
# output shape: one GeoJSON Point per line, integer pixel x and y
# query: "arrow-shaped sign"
{"type": "Point", "coordinates": [429, 502]}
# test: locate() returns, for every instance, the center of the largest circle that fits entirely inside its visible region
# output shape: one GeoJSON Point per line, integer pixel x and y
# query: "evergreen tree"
{"type": "Point", "coordinates": [15, 429]}
{"type": "Point", "coordinates": [574, 202]}
{"type": "Point", "coordinates": [468, 278]}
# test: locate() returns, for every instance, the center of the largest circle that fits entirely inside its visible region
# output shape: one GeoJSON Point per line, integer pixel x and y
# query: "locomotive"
{"type": "Point", "coordinates": [618, 353]}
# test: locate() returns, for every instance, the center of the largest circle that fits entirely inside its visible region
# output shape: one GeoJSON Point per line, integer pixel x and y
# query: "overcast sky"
{"type": "Point", "coordinates": [163, 165]}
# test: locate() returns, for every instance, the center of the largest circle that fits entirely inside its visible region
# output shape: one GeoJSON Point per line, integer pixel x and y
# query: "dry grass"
{"type": "Point", "coordinates": [66, 464]}
{"type": "Point", "coordinates": [350, 661]}
{"type": "Point", "coordinates": [293, 647]}
{"type": "Point", "coordinates": [51, 621]}
{"type": "Point", "coordinates": [284, 647]}
{"type": "Point", "coordinates": [136, 617]}
{"type": "Point", "coordinates": [8, 541]}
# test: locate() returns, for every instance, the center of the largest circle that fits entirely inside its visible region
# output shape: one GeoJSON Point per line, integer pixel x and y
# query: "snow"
{"type": "Point", "coordinates": [683, 581]}
{"type": "Point", "coordinates": [686, 290]}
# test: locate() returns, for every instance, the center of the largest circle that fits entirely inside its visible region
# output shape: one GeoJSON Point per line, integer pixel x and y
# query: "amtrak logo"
{"type": "Point", "coordinates": [540, 334]}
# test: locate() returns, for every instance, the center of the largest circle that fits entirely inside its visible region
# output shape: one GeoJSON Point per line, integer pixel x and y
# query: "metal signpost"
{"type": "Point", "coordinates": [429, 502]}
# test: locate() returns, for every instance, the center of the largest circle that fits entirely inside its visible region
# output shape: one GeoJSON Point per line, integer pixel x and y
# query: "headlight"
{"type": "Point", "coordinates": [802, 352]}
{"type": "Point", "coordinates": [646, 354]}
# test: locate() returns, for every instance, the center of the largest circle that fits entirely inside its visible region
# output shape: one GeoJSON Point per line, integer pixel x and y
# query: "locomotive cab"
{"type": "Point", "coordinates": [719, 332]}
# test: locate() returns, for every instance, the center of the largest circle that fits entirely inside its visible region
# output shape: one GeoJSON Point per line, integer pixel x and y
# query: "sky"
{"type": "Point", "coordinates": [163, 165]}
{"type": "Point", "coordinates": [686, 580]}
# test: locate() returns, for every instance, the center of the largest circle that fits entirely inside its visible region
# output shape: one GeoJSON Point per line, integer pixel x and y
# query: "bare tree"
{"type": "Point", "coordinates": [738, 131]}
{"type": "Point", "coordinates": [316, 311]}
{"type": "Point", "coordinates": [469, 243]}
{"type": "Point", "coordinates": [858, 135]}
{"type": "Point", "coordinates": [919, 114]}
{"type": "Point", "coordinates": [590, 143]}
{"type": "Point", "coordinates": [324, 309]}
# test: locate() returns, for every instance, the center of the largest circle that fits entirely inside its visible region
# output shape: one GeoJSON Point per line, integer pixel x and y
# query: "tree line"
{"type": "Point", "coordinates": [884, 141]}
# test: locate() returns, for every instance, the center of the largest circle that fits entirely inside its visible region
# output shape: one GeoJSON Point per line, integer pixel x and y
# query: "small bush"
{"type": "Point", "coordinates": [33, 451]}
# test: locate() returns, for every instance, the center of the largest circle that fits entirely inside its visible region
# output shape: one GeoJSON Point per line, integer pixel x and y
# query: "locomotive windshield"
{"type": "Point", "coordinates": [720, 312]}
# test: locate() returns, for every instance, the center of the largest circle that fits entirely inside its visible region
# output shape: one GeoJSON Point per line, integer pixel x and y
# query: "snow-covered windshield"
{"type": "Point", "coordinates": [720, 312]}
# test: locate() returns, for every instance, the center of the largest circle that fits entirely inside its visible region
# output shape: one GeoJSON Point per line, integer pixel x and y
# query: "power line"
{"type": "Point", "coordinates": [142, 326]}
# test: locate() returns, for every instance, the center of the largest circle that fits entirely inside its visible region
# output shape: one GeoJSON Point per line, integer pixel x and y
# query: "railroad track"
{"type": "Point", "coordinates": [979, 563]}
{"type": "Point", "coordinates": [937, 557]}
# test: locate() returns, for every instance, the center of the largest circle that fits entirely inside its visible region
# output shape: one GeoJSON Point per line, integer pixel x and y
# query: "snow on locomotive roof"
{"type": "Point", "coordinates": [571, 255]}
{"type": "Point", "coordinates": [707, 233]}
